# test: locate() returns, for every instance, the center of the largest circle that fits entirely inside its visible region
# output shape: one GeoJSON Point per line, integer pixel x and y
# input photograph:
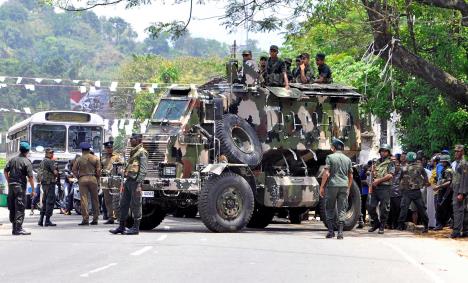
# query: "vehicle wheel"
{"type": "Point", "coordinates": [353, 210]}
{"type": "Point", "coordinates": [77, 206]}
{"type": "Point", "coordinates": [239, 141]}
{"type": "Point", "coordinates": [226, 203]}
{"type": "Point", "coordinates": [261, 217]}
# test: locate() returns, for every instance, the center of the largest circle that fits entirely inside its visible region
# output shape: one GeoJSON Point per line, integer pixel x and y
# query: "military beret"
{"type": "Point", "coordinates": [459, 147]}
{"type": "Point", "coordinates": [136, 136]}
{"type": "Point", "coordinates": [24, 145]}
{"type": "Point", "coordinates": [337, 143]}
{"type": "Point", "coordinates": [320, 56]}
{"type": "Point", "coordinates": [274, 47]}
{"type": "Point", "coordinates": [85, 146]}
{"type": "Point", "coordinates": [246, 52]}
{"type": "Point", "coordinates": [108, 143]}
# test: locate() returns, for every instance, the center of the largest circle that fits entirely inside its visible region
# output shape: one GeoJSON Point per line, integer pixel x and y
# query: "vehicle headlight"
{"type": "Point", "coordinates": [169, 170]}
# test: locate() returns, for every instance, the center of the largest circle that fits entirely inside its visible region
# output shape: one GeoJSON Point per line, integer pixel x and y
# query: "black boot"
{"type": "Point", "coordinates": [135, 230]}
{"type": "Point", "coordinates": [20, 231]}
{"type": "Point", "coordinates": [426, 228]}
{"type": "Point", "coordinates": [340, 232]}
{"type": "Point", "coordinates": [381, 229]}
{"type": "Point", "coordinates": [373, 228]}
{"type": "Point", "coordinates": [119, 230]}
{"type": "Point", "coordinates": [13, 228]}
{"type": "Point", "coordinates": [331, 232]}
{"type": "Point", "coordinates": [48, 222]}
{"type": "Point", "coordinates": [361, 222]}
{"type": "Point", "coordinates": [41, 220]}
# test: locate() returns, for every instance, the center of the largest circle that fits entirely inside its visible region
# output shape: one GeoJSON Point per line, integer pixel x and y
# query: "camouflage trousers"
{"type": "Point", "coordinates": [131, 199]}
{"type": "Point", "coordinates": [111, 198]}
{"type": "Point", "coordinates": [336, 197]}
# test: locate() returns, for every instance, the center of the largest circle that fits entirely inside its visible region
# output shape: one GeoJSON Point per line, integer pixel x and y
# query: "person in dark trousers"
{"type": "Point", "coordinates": [460, 193]}
{"type": "Point", "coordinates": [383, 172]}
{"type": "Point", "coordinates": [395, 198]}
{"type": "Point", "coordinates": [17, 172]}
{"type": "Point", "coordinates": [413, 178]}
{"type": "Point", "coordinates": [364, 176]}
{"type": "Point", "coordinates": [337, 179]}
{"type": "Point", "coordinates": [135, 173]}
{"type": "Point", "coordinates": [444, 193]}
{"type": "Point", "coordinates": [48, 180]}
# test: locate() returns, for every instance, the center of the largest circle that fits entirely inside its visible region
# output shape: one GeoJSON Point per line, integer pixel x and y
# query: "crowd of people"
{"type": "Point", "coordinates": [274, 71]}
{"type": "Point", "coordinates": [408, 187]}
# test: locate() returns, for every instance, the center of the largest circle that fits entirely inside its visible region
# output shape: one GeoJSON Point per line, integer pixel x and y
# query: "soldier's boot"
{"type": "Point", "coordinates": [381, 229]}
{"type": "Point", "coordinates": [13, 228]}
{"type": "Point", "coordinates": [401, 226]}
{"type": "Point", "coordinates": [426, 228]}
{"type": "Point", "coordinates": [48, 222]}
{"type": "Point", "coordinates": [340, 231]}
{"type": "Point", "coordinates": [360, 223]}
{"type": "Point", "coordinates": [41, 220]}
{"type": "Point", "coordinates": [373, 228]}
{"type": "Point", "coordinates": [20, 231]}
{"type": "Point", "coordinates": [119, 230]}
{"type": "Point", "coordinates": [135, 230]}
{"type": "Point", "coordinates": [331, 232]}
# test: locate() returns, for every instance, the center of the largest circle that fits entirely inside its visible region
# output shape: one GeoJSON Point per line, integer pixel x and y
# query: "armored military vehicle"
{"type": "Point", "coordinates": [240, 153]}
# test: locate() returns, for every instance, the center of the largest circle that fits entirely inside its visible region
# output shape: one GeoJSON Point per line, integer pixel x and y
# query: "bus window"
{"type": "Point", "coordinates": [79, 134]}
{"type": "Point", "coordinates": [52, 136]}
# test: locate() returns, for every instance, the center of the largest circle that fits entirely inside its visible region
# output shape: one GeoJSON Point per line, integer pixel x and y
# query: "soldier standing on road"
{"type": "Point", "coordinates": [87, 170]}
{"type": "Point", "coordinates": [460, 192]}
{"type": "Point", "coordinates": [16, 171]}
{"type": "Point", "coordinates": [381, 188]}
{"type": "Point", "coordinates": [275, 72]}
{"type": "Point", "coordinates": [337, 178]}
{"type": "Point", "coordinates": [49, 174]}
{"type": "Point", "coordinates": [135, 173]}
{"type": "Point", "coordinates": [444, 193]}
{"type": "Point", "coordinates": [107, 161]}
{"type": "Point", "coordinates": [413, 178]}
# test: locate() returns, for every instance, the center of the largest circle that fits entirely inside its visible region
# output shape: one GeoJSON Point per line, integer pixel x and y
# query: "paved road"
{"type": "Point", "coordinates": [183, 250]}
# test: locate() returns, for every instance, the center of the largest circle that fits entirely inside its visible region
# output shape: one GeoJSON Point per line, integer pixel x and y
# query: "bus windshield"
{"type": "Point", "coordinates": [79, 134]}
{"type": "Point", "coordinates": [170, 110]}
{"type": "Point", "coordinates": [52, 136]}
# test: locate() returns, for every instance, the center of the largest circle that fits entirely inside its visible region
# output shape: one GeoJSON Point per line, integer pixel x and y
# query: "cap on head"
{"type": "Point", "coordinates": [246, 52]}
{"type": "Point", "coordinates": [274, 47]}
{"type": "Point", "coordinates": [337, 143]}
{"type": "Point", "coordinates": [385, 147]}
{"type": "Point", "coordinates": [49, 150]}
{"type": "Point", "coordinates": [109, 144]}
{"type": "Point", "coordinates": [445, 151]}
{"type": "Point", "coordinates": [320, 56]}
{"type": "Point", "coordinates": [136, 136]}
{"type": "Point", "coordinates": [445, 157]}
{"type": "Point", "coordinates": [411, 156]}
{"type": "Point", "coordinates": [85, 145]}
{"type": "Point", "coordinates": [459, 147]}
{"type": "Point", "coordinates": [24, 146]}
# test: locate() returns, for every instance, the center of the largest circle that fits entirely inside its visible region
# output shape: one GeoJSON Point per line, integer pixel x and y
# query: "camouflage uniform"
{"type": "Point", "coordinates": [135, 173]}
{"type": "Point", "coordinates": [444, 198]}
{"type": "Point", "coordinates": [111, 193]}
{"type": "Point", "coordinates": [274, 73]}
{"type": "Point", "coordinates": [412, 180]}
{"type": "Point", "coordinates": [48, 181]}
{"type": "Point", "coordinates": [381, 194]}
{"type": "Point", "coordinates": [460, 186]}
{"type": "Point", "coordinates": [87, 168]}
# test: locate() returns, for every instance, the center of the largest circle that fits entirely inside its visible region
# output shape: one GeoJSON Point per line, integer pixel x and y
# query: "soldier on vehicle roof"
{"type": "Point", "coordinates": [305, 74]}
{"type": "Point", "coordinates": [324, 72]}
{"type": "Point", "coordinates": [275, 72]}
{"type": "Point", "coordinates": [262, 69]}
{"type": "Point", "coordinates": [249, 70]}
{"type": "Point", "coordinates": [87, 169]}
{"type": "Point", "coordinates": [288, 63]}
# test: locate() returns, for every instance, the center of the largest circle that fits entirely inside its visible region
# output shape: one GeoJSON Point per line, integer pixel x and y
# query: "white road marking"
{"type": "Point", "coordinates": [203, 239]}
{"type": "Point", "coordinates": [141, 251]}
{"type": "Point", "coordinates": [414, 262]}
{"type": "Point", "coordinates": [162, 238]}
{"type": "Point", "coordinates": [167, 227]}
{"type": "Point", "coordinates": [98, 269]}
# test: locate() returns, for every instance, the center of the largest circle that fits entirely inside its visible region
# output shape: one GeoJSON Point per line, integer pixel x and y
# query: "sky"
{"type": "Point", "coordinates": [204, 22]}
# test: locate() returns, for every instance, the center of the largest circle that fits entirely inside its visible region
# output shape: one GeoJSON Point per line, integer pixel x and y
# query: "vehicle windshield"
{"type": "Point", "coordinates": [52, 136]}
{"type": "Point", "coordinates": [79, 134]}
{"type": "Point", "coordinates": [170, 110]}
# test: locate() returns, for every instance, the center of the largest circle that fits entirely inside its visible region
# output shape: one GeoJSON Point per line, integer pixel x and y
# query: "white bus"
{"type": "Point", "coordinates": [63, 131]}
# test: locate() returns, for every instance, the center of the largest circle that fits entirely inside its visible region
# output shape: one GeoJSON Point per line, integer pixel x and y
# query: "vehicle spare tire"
{"type": "Point", "coordinates": [239, 141]}
{"type": "Point", "coordinates": [352, 213]}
